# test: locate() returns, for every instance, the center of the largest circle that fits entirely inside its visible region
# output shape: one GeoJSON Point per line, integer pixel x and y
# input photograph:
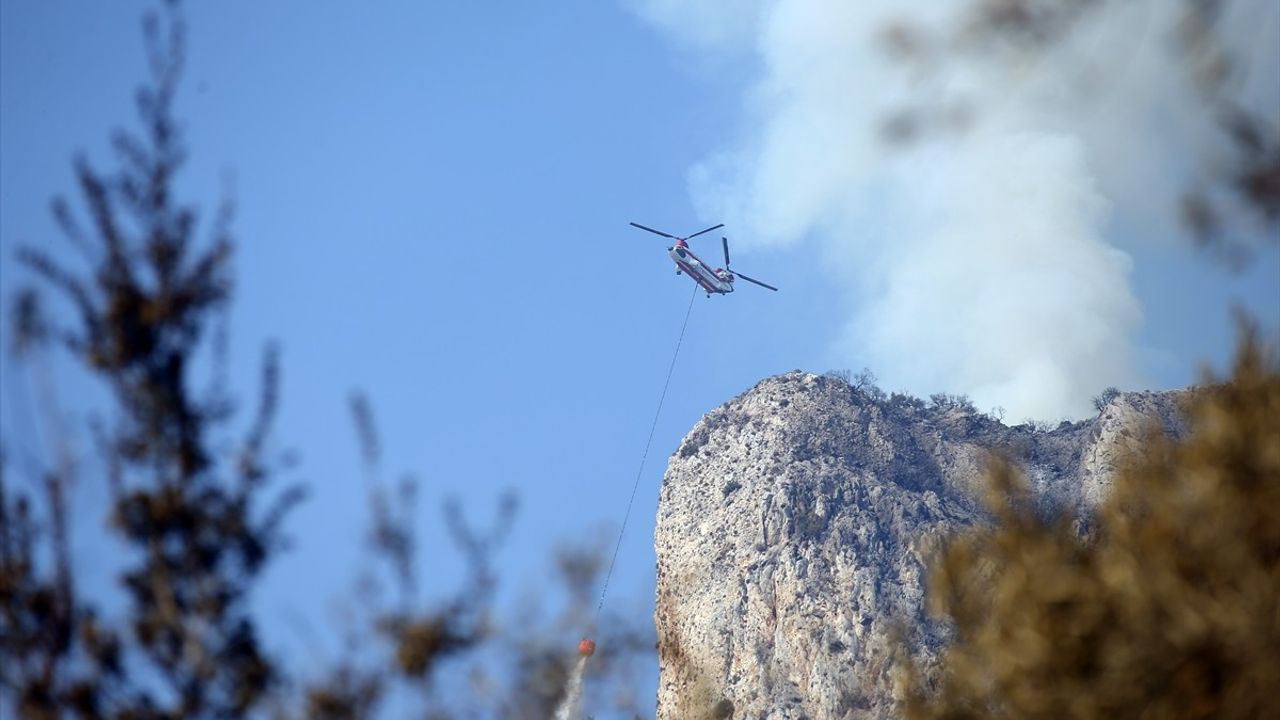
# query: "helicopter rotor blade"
{"type": "Point", "coordinates": [713, 227]}
{"type": "Point", "coordinates": [655, 232]}
{"type": "Point", "coordinates": [725, 241]}
{"type": "Point", "coordinates": [753, 280]}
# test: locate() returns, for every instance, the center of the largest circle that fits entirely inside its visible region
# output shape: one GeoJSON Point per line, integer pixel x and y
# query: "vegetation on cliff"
{"type": "Point", "coordinates": [1167, 608]}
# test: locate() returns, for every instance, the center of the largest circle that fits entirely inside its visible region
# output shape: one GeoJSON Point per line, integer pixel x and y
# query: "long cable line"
{"type": "Point", "coordinates": [652, 428]}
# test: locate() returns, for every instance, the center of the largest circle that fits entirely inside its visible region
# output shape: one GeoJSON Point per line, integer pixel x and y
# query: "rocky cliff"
{"type": "Point", "coordinates": [794, 522]}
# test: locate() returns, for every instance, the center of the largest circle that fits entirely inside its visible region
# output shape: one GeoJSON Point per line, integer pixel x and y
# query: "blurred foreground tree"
{"type": "Point", "coordinates": [192, 521]}
{"type": "Point", "coordinates": [1168, 610]}
{"type": "Point", "coordinates": [406, 653]}
{"type": "Point", "coordinates": [196, 520]}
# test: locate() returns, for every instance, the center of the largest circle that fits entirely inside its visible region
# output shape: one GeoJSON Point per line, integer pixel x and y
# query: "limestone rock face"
{"type": "Point", "coordinates": [794, 521]}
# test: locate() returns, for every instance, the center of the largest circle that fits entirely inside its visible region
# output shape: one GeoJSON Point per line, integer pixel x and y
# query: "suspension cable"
{"type": "Point", "coordinates": [652, 428]}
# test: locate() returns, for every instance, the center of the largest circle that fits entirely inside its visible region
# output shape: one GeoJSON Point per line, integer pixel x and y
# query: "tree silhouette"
{"type": "Point", "coordinates": [198, 528]}
{"type": "Point", "coordinates": [200, 523]}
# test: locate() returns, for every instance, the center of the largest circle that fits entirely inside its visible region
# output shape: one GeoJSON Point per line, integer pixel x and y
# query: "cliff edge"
{"type": "Point", "coordinates": [793, 527]}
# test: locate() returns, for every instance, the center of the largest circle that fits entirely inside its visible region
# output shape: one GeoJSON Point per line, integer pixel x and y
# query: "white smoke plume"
{"type": "Point", "coordinates": [976, 261]}
{"type": "Point", "coordinates": [571, 706]}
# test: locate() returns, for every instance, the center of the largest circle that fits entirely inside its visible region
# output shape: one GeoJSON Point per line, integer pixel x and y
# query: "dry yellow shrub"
{"type": "Point", "coordinates": [1169, 609]}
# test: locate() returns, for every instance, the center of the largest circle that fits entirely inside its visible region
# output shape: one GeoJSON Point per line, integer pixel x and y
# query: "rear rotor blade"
{"type": "Point", "coordinates": [725, 240]}
{"type": "Point", "coordinates": [753, 280]}
{"type": "Point", "coordinates": [655, 232]}
{"type": "Point", "coordinates": [713, 227]}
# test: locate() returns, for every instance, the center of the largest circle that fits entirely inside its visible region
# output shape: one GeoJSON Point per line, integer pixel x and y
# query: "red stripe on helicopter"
{"type": "Point", "coordinates": [697, 277]}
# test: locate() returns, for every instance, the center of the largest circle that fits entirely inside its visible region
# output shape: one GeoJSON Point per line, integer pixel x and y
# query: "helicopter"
{"type": "Point", "coordinates": [718, 281]}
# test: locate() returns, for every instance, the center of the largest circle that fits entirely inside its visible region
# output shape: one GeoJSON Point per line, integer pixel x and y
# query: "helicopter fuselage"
{"type": "Point", "coordinates": [717, 281]}
{"type": "Point", "coordinates": [713, 280]}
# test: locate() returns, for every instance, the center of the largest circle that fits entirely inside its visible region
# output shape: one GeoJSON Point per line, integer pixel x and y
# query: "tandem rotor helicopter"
{"type": "Point", "coordinates": [713, 280]}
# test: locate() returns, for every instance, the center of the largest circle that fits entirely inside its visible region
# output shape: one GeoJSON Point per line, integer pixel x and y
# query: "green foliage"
{"type": "Point", "coordinates": [1168, 609]}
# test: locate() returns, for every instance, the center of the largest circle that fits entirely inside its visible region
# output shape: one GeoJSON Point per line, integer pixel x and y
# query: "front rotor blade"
{"type": "Point", "coordinates": [655, 232]}
{"type": "Point", "coordinates": [713, 227]}
{"type": "Point", "coordinates": [753, 280]}
{"type": "Point", "coordinates": [725, 240]}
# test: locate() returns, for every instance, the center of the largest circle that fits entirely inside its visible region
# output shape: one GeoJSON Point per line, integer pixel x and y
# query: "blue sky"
{"type": "Point", "coordinates": [432, 206]}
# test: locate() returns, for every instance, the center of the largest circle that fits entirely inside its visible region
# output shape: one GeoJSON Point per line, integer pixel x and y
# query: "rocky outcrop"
{"type": "Point", "coordinates": [793, 525]}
